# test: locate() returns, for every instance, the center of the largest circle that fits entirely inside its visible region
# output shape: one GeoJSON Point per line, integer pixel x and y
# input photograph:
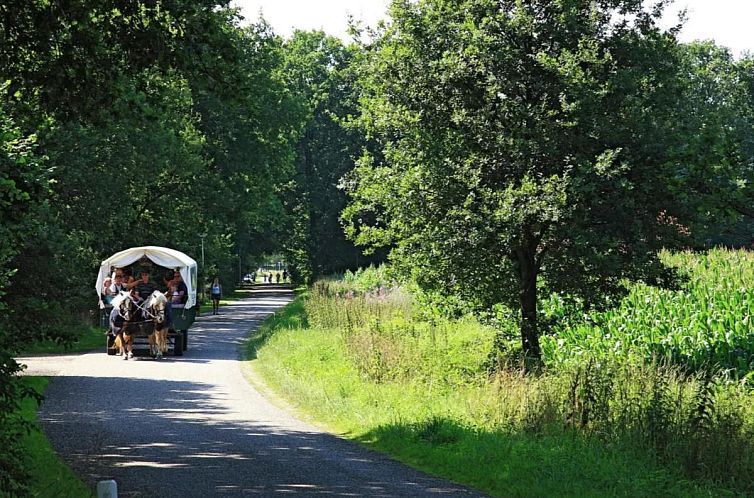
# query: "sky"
{"type": "Point", "coordinates": [728, 22]}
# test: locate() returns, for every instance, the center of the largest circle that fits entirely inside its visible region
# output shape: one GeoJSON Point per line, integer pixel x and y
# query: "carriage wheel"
{"type": "Point", "coordinates": [178, 344]}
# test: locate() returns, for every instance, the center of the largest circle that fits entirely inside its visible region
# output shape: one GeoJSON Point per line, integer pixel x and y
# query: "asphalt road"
{"type": "Point", "coordinates": [193, 426]}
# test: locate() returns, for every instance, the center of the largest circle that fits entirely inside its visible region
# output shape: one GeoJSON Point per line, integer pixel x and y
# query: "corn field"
{"type": "Point", "coordinates": [705, 325]}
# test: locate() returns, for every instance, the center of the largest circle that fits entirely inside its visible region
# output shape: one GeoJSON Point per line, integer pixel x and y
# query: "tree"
{"type": "Point", "coordinates": [524, 150]}
{"type": "Point", "coordinates": [23, 185]}
{"type": "Point", "coordinates": [320, 73]}
{"type": "Point", "coordinates": [716, 156]}
{"type": "Point", "coordinates": [248, 118]}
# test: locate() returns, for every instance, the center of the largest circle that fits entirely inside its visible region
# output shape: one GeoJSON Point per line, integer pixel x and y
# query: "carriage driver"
{"type": "Point", "coordinates": [144, 288]}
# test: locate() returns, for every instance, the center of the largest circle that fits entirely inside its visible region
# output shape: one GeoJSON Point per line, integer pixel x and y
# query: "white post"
{"type": "Point", "coordinates": [107, 489]}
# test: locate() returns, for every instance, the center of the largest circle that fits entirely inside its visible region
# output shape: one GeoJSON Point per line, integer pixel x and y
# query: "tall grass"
{"type": "Point", "coordinates": [386, 342]}
{"type": "Point", "coordinates": [363, 360]}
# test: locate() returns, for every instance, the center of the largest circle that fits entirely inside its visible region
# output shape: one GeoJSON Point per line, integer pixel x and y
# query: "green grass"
{"type": "Point", "coordinates": [91, 338]}
{"type": "Point", "coordinates": [50, 477]}
{"type": "Point", "coordinates": [523, 465]}
{"type": "Point", "coordinates": [481, 433]}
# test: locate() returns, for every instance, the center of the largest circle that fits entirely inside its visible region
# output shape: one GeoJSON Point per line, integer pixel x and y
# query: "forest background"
{"type": "Point", "coordinates": [169, 123]}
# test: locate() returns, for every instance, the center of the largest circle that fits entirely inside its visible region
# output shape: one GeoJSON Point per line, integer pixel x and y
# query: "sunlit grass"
{"type": "Point", "coordinates": [50, 477]}
{"type": "Point", "coordinates": [360, 361]}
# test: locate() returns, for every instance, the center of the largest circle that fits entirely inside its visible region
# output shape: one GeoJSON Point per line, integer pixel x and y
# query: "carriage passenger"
{"type": "Point", "coordinates": [180, 296]}
{"type": "Point", "coordinates": [107, 292]}
{"type": "Point", "coordinates": [128, 280]}
{"type": "Point", "coordinates": [177, 293]}
{"type": "Point", "coordinates": [117, 284]}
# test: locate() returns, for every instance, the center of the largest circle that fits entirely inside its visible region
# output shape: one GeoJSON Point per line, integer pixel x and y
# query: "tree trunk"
{"type": "Point", "coordinates": [528, 300]}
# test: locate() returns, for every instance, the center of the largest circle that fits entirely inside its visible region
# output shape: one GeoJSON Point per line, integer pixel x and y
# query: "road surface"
{"type": "Point", "coordinates": [193, 426]}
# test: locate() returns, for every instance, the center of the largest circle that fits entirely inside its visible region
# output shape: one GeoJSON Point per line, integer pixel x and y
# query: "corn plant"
{"type": "Point", "coordinates": [705, 325]}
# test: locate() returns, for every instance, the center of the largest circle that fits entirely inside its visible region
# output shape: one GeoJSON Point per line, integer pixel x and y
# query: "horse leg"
{"type": "Point", "coordinates": [151, 341]}
{"type": "Point", "coordinates": [157, 351]}
{"type": "Point", "coordinates": [164, 340]}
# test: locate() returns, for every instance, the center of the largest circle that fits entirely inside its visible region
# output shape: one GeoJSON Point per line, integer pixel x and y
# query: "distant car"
{"type": "Point", "coordinates": [247, 278]}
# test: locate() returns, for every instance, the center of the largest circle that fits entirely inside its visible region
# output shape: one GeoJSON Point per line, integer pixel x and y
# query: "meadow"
{"type": "Point", "coordinates": [651, 398]}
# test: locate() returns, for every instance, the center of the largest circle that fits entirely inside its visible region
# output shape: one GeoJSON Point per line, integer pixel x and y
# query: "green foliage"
{"type": "Point", "coordinates": [14, 474]}
{"type": "Point", "coordinates": [368, 364]}
{"type": "Point", "coordinates": [535, 151]}
{"type": "Point", "coordinates": [715, 158]}
{"type": "Point", "coordinates": [320, 73]}
{"type": "Point", "coordinates": [369, 279]}
{"type": "Point", "coordinates": [23, 184]}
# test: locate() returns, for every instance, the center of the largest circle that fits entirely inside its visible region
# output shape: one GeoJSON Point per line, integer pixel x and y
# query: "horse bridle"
{"type": "Point", "coordinates": [159, 316]}
{"type": "Point", "coordinates": [148, 311]}
{"type": "Point", "coordinates": [128, 309]}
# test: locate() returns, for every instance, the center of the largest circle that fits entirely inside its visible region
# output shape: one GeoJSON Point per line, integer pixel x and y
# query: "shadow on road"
{"type": "Point", "coordinates": [155, 439]}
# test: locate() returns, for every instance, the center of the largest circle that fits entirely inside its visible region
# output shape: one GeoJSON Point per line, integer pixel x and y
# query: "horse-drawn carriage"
{"type": "Point", "coordinates": [145, 322]}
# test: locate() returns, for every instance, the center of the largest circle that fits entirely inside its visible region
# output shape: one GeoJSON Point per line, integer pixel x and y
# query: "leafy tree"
{"type": "Point", "coordinates": [23, 184]}
{"type": "Point", "coordinates": [320, 72]}
{"type": "Point", "coordinates": [525, 150]}
{"type": "Point", "coordinates": [248, 118]}
{"type": "Point", "coordinates": [716, 119]}
{"type": "Point", "coordinates": [71, 53]}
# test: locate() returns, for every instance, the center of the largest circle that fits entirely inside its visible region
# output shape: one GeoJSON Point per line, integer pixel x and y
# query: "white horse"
{"type": "Point", "coordinates": [120, 317]}
{"type": "Point", "coordinates": [158, 340]}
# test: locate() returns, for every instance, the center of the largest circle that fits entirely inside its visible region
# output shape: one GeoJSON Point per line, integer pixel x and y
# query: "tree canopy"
{"type": "Point", "coordinates": [526, 148]}
{"type": "Point", "coordinates": [321, 71]}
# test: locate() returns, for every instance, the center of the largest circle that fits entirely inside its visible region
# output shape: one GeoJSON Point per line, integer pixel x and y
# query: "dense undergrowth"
{"type": "Point", "coordinates": [649, 399]}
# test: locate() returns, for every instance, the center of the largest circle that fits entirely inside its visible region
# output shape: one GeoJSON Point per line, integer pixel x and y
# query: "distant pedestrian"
{"type": "Point", "coordinates": [277, 278]}
{"type": "Point", "coordinates": [285, 275]}
{"type": "Point", "coordinates": [216, 291]}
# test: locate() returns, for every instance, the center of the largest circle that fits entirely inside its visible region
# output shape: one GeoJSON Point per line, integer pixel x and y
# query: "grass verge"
{"type": "Point", "coordinates": [441, 427]}
{"type": "Point", "coordinates": [50, 477]}
{"type": "Point", "coordinates": [91, 338]}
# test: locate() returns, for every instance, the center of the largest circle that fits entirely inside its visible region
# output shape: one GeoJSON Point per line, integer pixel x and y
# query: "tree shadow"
{"type": "Point", "coordinates": [174, 438]}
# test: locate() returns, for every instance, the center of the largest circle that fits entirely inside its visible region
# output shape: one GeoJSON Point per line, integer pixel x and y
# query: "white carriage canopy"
{"type": "Point", "coordinates": [161, 256]}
